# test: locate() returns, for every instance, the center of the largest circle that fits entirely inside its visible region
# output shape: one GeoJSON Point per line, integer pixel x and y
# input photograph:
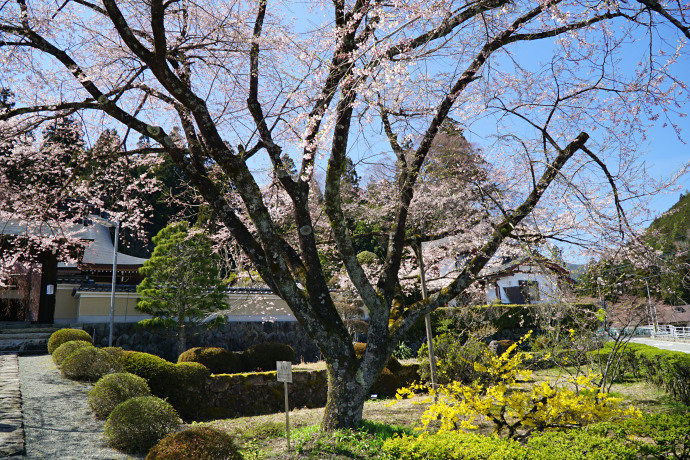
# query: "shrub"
{"type": "Point", "coordinates": [455, 360]}
{"type": "Point", "coordinates": [115, 352]}
{"type": "Point", "coordinates": [668, 369]}
{"type": "Point", "coordinates": [113, 389]}
{"type": "Point", "coordinates": [264, 355]}
{"type": "Point", "coordinates": [57, 338]}
{"type": "Point", "coordinates": [89, 363]}
{"type": "Point", "coordinates": [155, 370]}
{"type": "Point", "coordinates": [393, 364]}
{"type": "Point", "coordinates": [181, 383]}
{"type": "Point", "coordinates": [386, 384]}
{"type": "Point", "coordinates": [217, 360]}
{"type": "Point", "coordinates": [67, 348]}
{"type": "Point", "coordinates": [577, 445]}
{"type": "Point", "coordinates": [185, 391]}
{"type": "Point", "coordinates": [665, 435]}
{"type": "Point", "coordinates": [197, 443]}
{"type": "Point", "coordinates": [535, 407]}
{"type": "Point", "coordinates": [137, 424]}
{"type": "Point", "coordinates": [454, 446]}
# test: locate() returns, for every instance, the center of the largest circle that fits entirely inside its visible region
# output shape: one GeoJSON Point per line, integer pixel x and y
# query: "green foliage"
{"type": "Point", "coordinates": [196, 443]}
{"type": "Point", "coordinates": [668, 369]}
{"type": "Point", "coordinates": [137, 424]}
{"type": "Point", "coordinates": [657, 435]}
{"type": "Point", "coordinates": [266, 430]}
{"type": "Point", "coordinates": [181, 283]}
{"type": "Point", "coordinates": [672, 228]}
{"type": "Point", "coordinates": [180, 384]}
{"type": "Point", "coordinates": [514, 403]}
{"type": "Point", "coordinates": [366, 442]}
{"type": "Point", "coordinates": [89, 363]}
{"type": "Point", "coordinates": [264, 355]}
{"type": "Point", "coordinates": [115, 352]}
{"type": "Point", "coordinates": [113, 389]}
{"type": "Point", "coordinates": [578, 445]}
{"type": "Point", "coordinates": [67, 348]}
{"type": "Point", "coordinates": [367, 258]}
{"type": "Point", "coordinates": [57, 338]}
{"type": "Point", "coordinates": [402, 351]}
{"type": "Point", "coordinates": [455, 360]}
{"type": "Point", "coordinates": [386, 384]}
{"type": "Point", "coordinates": [454, 446]}
{"type": "Point", "coordinates": [569, 445]}
{"type": "Point", "coordinates": [217, 360]}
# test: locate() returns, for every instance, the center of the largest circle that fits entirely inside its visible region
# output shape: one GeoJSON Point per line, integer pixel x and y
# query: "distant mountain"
{"type": "Point", "coordinates": [671, 231]}
{"type": "Point", "coordinates": [576, 270]}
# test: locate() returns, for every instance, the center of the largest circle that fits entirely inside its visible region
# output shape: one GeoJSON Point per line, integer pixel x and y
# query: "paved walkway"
{"type": "Point", "coordinates": [58, 422]}
{"type": "Point", "coordinates": [683, 347]}
{"type": "Point", "coordinates": [11, 428]}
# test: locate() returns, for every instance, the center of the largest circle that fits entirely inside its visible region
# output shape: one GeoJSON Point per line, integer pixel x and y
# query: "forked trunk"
{"type": "Point", "coordinates": [346, 396]}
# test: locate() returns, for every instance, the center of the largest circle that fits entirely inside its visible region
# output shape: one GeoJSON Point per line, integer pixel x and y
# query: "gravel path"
{"type": "Point", "coordinates": [58, 423]}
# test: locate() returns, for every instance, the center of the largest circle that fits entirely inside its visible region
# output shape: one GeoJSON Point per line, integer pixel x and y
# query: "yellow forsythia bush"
{"type": "Point", "coordinates": [514, 402]}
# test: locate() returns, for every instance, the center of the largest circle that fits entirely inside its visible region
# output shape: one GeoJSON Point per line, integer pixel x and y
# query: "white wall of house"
{"type": "Point", "coordinates": [549, 290]}
{"type": "Point", "coordinates": [94, 307]}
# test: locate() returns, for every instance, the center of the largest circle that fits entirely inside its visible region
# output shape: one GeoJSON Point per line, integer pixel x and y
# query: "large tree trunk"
{"type": "Point", "coordinates": [347, 392]}
{"type": "Point", "coordinates": [181, 336]}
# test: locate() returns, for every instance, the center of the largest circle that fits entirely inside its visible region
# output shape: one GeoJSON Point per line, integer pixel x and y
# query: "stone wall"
{"type": "Point", "coordinates": [235, 336]}
{"type": "Point", "coordinates": [241, 395]}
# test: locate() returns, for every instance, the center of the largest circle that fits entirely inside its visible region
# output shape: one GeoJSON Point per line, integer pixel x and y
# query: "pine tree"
{"type": "Point", "coordinates": [181, 284]}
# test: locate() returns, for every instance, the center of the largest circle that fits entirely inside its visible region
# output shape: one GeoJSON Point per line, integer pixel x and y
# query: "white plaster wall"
{"type": "Point", "coordinates": [548, 287]}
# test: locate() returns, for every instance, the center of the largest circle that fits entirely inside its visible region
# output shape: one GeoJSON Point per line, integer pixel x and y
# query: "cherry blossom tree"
{"type": "Point", "coordinates": [566, 87]}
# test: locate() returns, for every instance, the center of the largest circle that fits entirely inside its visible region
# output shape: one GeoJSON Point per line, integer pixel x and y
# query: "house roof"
{"type": "Point", "coordinates": [98, 254]}
{"type": "Point", "coordinates": [514, 266]}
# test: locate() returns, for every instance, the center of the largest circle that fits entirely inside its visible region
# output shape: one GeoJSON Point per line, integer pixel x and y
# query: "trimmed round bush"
{"type": "Point", "coordinates": [386, 384]}
{"type": "Point", "coordinates": [393, 364]}
{"type": "Point", "coordinates": [264, 355]}
{"type": "Point", "coordinates": [113, 389]}
{"type": "Point", "coordinates": [89, 363]}
{"type": "Point", "coordinates": [157, 371]}
{"type": "Point", "coordinates": [57, 338]}
{"type": "Point", "coordinates": [67, 348]}
{"type": "Point", "coordinates": [115, 352]}
{"type": "Point", "coordinates": [137, 424]}
{"type": "Point", "coordinates": [217, 360]}
{"type": "Point", "coordinates": [197, 443]}
{"type": "Point", "coordinates": [180, 384]}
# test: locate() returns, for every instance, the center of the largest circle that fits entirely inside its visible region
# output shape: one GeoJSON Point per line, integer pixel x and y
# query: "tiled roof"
{"type": "Point", "coordinates": [98, 252]}
{"type": "Point", "coordinates": [103, 287]}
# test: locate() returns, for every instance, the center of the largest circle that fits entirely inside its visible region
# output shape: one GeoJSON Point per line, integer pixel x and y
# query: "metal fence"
{"type": "Point", "coordinates": [672, 332]}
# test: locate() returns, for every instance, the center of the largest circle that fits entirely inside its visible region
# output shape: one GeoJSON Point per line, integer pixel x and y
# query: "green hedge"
{"type": "Point", "coordinates": [657, 436]}
{"type": "Point", "coordinates": [668, 369]}
{"type": "Point", "coordinates": [89, 363]}
{"type": "Point", "coordinates": [217, 360]}
{"type": "Point", "coordinates": [63, 351]}
{"type": "Point", "coordinates": [181, 384]}
{"type": "Point", "coordinates": [136, 425]}
{"type": "Point", "coordinates": [262, 357]}
{"type": "Point", "coordinates": [61, 336]}
{"type": "Point", "coordinates": [568, 445]}
{"type": "Point", "coordinates": [196, 443]}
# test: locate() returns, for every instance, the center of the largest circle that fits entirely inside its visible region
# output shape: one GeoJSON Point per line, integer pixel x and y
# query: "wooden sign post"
{"type": "Point", "coordinates": [284, 369]}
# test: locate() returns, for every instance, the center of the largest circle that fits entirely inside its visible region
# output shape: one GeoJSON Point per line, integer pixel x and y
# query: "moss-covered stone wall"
{"type": "Point", "coordinates": [239, 395]}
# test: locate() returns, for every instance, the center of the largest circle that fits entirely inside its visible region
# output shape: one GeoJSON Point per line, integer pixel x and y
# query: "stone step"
{"type": "Point", "coordinates": [32, 330]}
{"type": "Point", "coordinates": [24, 342]}
{"type": "Point", "coordinates": [11, 428]}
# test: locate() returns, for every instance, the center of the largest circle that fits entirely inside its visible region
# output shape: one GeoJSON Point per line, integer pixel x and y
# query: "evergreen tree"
{"type": "Point", "coordinates": [181, 284]}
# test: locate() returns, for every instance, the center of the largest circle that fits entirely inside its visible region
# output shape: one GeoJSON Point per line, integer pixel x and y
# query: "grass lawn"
{"type": "Point", "coordinates": [263, 437]}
